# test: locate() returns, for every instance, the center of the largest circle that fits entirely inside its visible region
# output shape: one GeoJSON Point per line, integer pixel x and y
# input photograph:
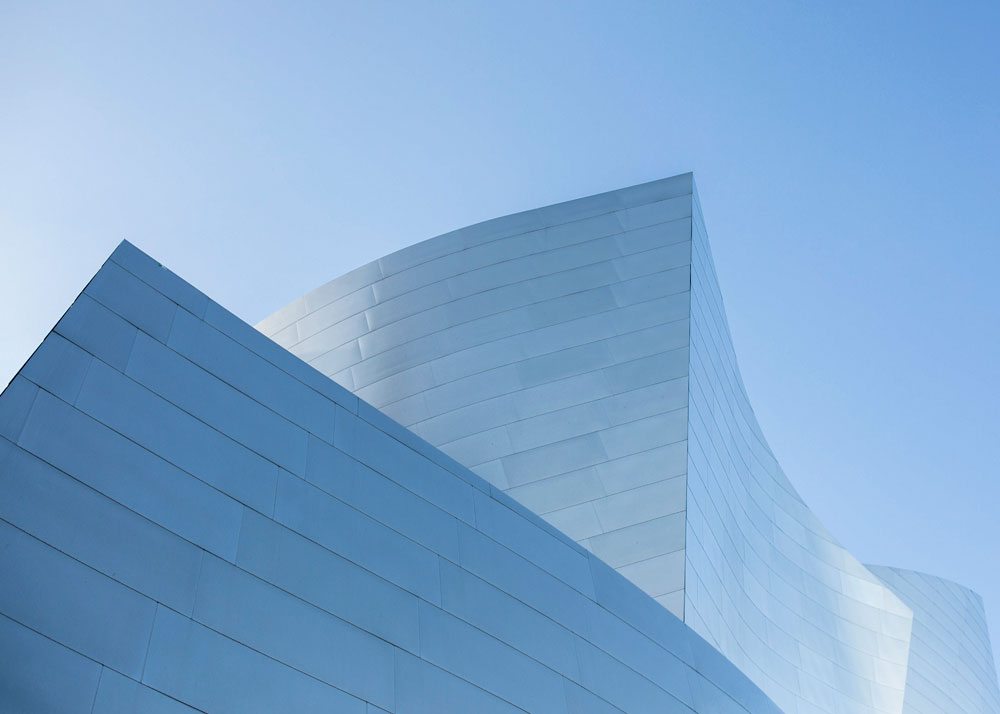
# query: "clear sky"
{"type": "Point", "coordinates": [847, 156]}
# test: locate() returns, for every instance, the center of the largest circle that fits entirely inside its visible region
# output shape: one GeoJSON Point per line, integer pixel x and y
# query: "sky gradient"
{"type": "Point", "coordinates": [847, 158]}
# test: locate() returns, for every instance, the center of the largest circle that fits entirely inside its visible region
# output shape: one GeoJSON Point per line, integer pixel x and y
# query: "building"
{"type": "Point", "coordinates": [510, 468]}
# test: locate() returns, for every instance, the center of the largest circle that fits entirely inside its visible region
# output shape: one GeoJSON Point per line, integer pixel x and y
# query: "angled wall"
{"type": "Point", "coordinates": [951, 667]}
{"type": "Point", "coordinates": [192, 519]}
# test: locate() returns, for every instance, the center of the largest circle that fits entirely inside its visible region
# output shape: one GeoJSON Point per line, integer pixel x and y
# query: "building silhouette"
{"type": "Point", "coordinates": [510, 468]}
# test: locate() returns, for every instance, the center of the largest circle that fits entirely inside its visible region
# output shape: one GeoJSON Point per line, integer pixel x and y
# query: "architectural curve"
{"type": "Point", "coordinates": [193, 520]}
{"type": "Point", "coordinates": [951, 666]}
{"type": "Point", "coordinates": [577, 357]}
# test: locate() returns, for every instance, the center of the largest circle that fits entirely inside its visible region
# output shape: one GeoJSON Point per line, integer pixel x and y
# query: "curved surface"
{"type": "Point", "coordinates": [192, 519]}
{"type": "Point", "coordinates": [577, 356]}
{"type": "Point", "coordinates": [547, 351]}
{"type": "Point", "coordinates": [766, 583]}
{"type": "Point", "coordinates": [951, 665]}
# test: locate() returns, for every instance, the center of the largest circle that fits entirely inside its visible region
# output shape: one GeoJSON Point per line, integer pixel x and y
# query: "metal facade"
{"type": "Point", "coordinates": [192, 519]}
{"type": "Point", "coordinates": [577, 356]}
{"type": "Point", "coordinates": [951, 667]}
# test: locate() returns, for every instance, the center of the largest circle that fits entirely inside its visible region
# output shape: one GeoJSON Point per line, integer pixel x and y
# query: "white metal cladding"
{"type": "Point", "coordinates": [951, 667]}
{"type": "Point", "coordinates": [548, 352]}
{"type": "Point", "coordinates": [578, 357]}
{"type": "Point", "coordinates": [766, 583]}
{"type": "Point", "coordinates": [192, 519]}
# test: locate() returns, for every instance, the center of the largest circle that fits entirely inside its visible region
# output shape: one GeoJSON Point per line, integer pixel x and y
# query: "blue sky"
{"type": "Point", "coordinates": [847, 156]}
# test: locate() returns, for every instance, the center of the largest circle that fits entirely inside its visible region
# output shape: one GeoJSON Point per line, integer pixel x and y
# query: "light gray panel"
{"type": "Point", "coordinates": [653, 261]}
{"type": "Point", "coordinates": [398, 386]}
{"type": "Point", "coordinates": [475, 388]}
{"type": "Point", "coordinates": [656, 236]}
{"type": "Point", "coordinates": [650, 287]}
{"type": "Point", "coordinates": [485, 446]}
{"type": "Point", "coordinates": [640, 541]}
{"type": "Point", "coordinates": [557, 426]}
{"type": "Point", "coordinates": [357, 279]}
{"type": "Point", "coordinates": [481, 276]}
{"type": "Point", "coordinates": [674, 602]}
{"type": "Point", "coordinates": [659, 575]}
{"type": "Point", "coordinates": [419, 253]}
{"type": "Point", "coordinates": [338, 335]}
{"type": "Point", "coordinates": [572, 306]}
{"type": "Point", "coordinates": [649, 341]}
{"type": "Point", "coordinates": [644, 434]}
{"type": "Point", "coordinates": [643, 468]}
{"type": "Point", "coordinates": [288, 336]}
{"type": "Point", "coordinates": [559, 491]}
{"type": "Point", "coordinates": [641, 504]}
{"type": "Point", "coordinates": [639, 403]}
{"type": "Point", "coordinates": [351, 304]}
{"type": "Point", "coordinates": [553, 459]}
{"type": "Point", "coordinates": [409, 354]}
{"type": "Point", "coordinates": [466, 421]}
{"type": "Point", "coordinates": [648, 214]}
{"type": "Point", "coordinates": [279, 321]}
{"type": "Point", "coordinates": [420, 274]}
{"type": "Point", "coordinates": [653, 312]}
{"type": "Point", "coordinates": [385, 312]}
{"type": "Point", "coordinates": [579, 522]}
{"type": "Point", "coordinates": [571, 333]}
{"type": "Point", "coordinates": [648, 370]}
{"type": "Point", "coordinates": [560, 393]}
{"type": "Point", "coordinates": [455, 338]}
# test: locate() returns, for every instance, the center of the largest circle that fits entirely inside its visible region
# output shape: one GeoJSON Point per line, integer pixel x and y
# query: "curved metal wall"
{"type": "Point", "coordinates": [951, 668]}
{"type": "Point", "coordinates": [547, 351]}
{"type": "Point", "coordinates": [766, 583]}
{"type": "Point", "coordinates": [526, 346]}
{"type": "Point", "coordinates": [191, 519]}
